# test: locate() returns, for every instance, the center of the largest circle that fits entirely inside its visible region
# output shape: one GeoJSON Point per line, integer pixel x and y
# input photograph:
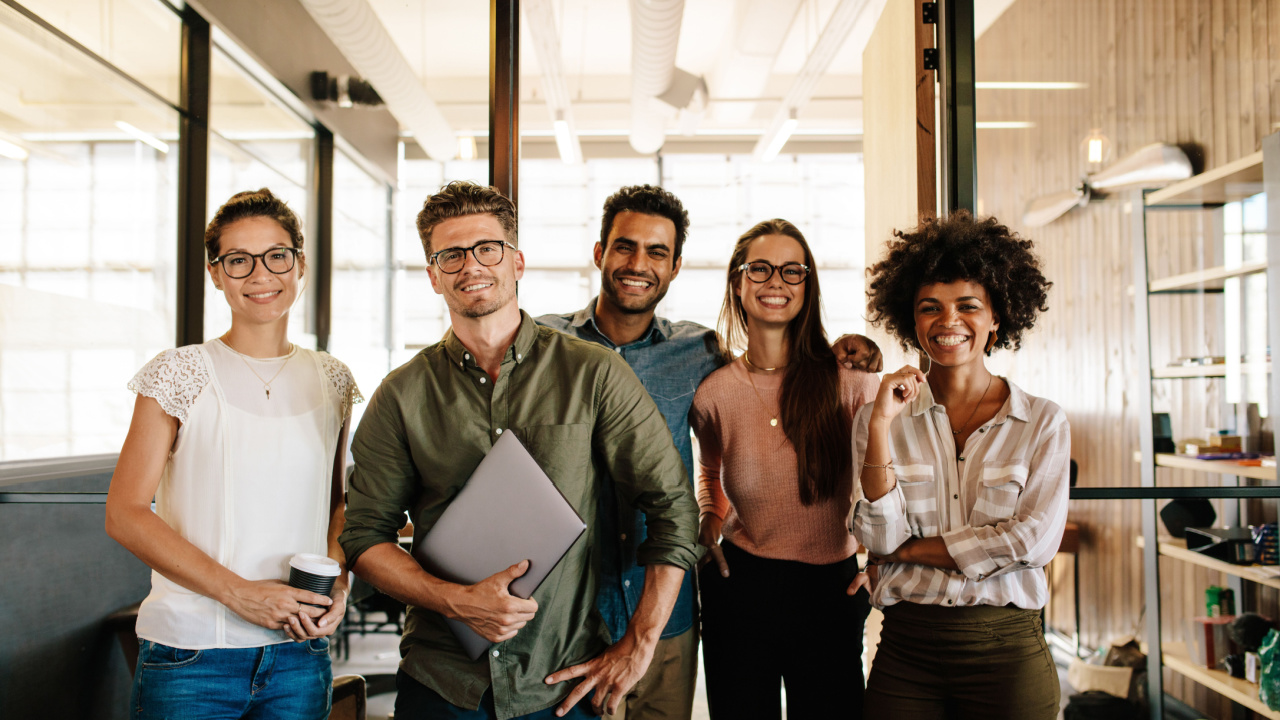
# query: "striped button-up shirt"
{"type": "Point", "coordinates": [1000, 505]}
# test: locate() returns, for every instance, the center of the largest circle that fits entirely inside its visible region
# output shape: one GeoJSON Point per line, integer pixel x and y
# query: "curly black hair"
{"type": "Point", "coordinates": [648, 200]}
{"type": "Point", "coordinates": [960, 247]}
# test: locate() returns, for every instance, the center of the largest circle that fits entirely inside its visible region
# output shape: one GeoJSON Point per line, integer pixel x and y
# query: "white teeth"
{"type": "Point", "coordinates": [950, 340]}
{"type": "Point", "coordinates": [265, 294]}
{"type": "Point", "coordinates": [480, 286]}
{"type": "Point", "coordinates": [774, 302]}
{"type": "Point", "coordinates": [635, 283]}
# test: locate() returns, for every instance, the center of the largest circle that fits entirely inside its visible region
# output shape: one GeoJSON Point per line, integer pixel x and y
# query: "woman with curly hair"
{"type": "Point", "coordinates": [776, 482]}
{"type": "Point", "coordinates": [964, 481]}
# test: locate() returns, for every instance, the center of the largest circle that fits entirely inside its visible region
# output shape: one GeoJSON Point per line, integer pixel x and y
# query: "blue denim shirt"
{"type": "Point", "coordinates": [671, 360]}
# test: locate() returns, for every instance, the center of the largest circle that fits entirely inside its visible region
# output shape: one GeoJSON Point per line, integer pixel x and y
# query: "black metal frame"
{"type": "Point", "coordinates": [958, 167]}
{"type": "Point", "coordinates": [193, 174]}
{"type": "Point", "coordinates": [322, 236]}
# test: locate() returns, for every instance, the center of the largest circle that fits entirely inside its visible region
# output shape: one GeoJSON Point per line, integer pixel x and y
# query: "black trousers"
{"type": "Point", "coordinates": [776, 621]}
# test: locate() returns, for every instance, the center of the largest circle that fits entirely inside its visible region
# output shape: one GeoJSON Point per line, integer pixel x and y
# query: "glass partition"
{"type": "Point", "coordinates": [87, 259]}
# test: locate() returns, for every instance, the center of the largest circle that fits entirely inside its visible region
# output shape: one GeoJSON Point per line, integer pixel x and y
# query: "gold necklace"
{"type": "Point", "coordinates": [773, 421]}
{"type": "Point", "coordinates": [266, 384]}
{"type": "Point", "coordinates": [990, 377]}
{"type": "Point", "coordinates": [750, 364]}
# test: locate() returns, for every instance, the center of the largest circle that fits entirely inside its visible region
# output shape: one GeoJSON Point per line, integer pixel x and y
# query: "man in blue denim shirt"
{"type": "Point", "coordinates": [642, 234]}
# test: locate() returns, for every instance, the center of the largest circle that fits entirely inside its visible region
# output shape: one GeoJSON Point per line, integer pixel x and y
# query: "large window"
{"type": "Point", "coordinates": [87, 220]}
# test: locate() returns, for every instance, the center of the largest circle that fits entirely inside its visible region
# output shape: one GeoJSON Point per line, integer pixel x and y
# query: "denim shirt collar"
{"type": "Point", "coordinates": [659, 328]}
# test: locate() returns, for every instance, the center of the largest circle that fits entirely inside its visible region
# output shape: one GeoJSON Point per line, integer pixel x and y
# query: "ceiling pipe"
{"type": "Point", "coordinates": [539, 17]}
{"type": "Point", "coordinates": [839, 25]}
{"type": "Point", "coordinates": [360, 36]}
{"type": "Point", "coordinates": [743, 71]}
{"type": "Point", "coordinates": [655, 34]}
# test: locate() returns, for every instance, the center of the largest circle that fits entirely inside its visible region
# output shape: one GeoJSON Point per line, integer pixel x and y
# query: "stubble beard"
{"type": "Point", "coordinates": [488, 307]}
{"type": "Point", "coordinates": [628, 305]}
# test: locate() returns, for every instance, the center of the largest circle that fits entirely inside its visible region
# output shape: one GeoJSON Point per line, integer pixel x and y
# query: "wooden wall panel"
{"type": "Point", "coordinates": [1204, 74]}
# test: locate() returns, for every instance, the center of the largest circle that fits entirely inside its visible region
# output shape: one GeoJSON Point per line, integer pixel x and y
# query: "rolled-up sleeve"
{"type": "Point", "coordinates": [384, 482]}
{"type": "Point", "coordinates": [1031, 537]}
{"type": "Point", "coordinates": [881, 525]}
{"type": "Point", "coordinates": [632, 439]}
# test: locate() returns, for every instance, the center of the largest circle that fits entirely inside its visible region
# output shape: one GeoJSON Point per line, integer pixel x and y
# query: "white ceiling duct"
{"type": "Point", "coordinates": [360, 36]}
{"type": "Point", "coordinates": [655, 33]}
{"type": "Point", "coordinates": [540, 18]}
{"type": "Point", "coordinates": [841, 23]}
{"type": "Point", "coordinates": [743, 71]}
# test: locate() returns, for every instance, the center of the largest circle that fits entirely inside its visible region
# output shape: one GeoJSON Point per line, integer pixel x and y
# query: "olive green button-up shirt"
{"type": "Point", "coordinates": [583, 415]}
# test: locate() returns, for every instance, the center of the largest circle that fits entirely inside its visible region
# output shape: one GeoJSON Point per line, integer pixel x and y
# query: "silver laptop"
{"type": "Point", "coordinates": [507, 512]}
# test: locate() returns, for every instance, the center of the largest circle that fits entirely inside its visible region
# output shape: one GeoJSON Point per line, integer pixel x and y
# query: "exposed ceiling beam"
{"type": "Point", "coordinates": [539, 17]}
{"type": "Point", "coordinates": [760, 27]}
{"type": "Point", "coordinates": [356, 30]}
{"type": "Point", "coordinates": [846, 15]}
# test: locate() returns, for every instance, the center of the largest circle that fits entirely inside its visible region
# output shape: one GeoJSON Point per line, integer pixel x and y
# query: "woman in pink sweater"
{"type": "Point", "coordinates": [776, 482]}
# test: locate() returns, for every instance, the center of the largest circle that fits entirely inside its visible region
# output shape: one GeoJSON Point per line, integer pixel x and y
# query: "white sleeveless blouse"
{"type": "Point", "coordinates": [248, 480]}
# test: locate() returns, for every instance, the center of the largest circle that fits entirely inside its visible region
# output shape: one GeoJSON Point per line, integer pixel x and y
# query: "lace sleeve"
{"type": "Point", "coordinates": [174, 378]}
{"type": "Point", "coordinates": [343, 382]}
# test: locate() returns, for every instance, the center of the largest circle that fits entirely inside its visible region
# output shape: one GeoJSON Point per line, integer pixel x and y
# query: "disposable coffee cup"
{"type": "Point", "coordinates": [314, 573]}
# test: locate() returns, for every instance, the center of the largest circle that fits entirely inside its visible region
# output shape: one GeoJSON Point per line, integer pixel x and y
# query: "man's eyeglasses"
{"type": "Point", "coordinates": [486, 252]}
{"type": "Point", "coordinates": [760, 272]}
{"type": "Point", "coordinates": [239, 265]}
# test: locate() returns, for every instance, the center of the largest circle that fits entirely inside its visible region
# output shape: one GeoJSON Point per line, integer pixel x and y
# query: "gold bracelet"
{"type": "Point", "coordinates": [887, 466]}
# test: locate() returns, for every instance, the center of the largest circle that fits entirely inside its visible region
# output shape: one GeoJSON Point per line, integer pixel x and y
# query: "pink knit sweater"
{"type": "Point", "coordinates": [747, 468]}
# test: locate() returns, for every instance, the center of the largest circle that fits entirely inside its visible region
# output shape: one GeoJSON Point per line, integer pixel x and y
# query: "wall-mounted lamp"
{"type": "Point", "coordinates": [1096, 150]}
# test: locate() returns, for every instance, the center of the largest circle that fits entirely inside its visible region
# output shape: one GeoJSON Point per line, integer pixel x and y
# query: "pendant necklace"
{"type": "Point", "coordinates": [990, 377]}
{"type": "Point", "coordinates": [266, 384]}
{"type": "Point", "coordinates": [773, 421]}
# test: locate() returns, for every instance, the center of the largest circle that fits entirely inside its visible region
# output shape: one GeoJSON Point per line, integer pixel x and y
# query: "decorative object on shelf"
{"type": "Point", "coordinates": [1234, 665]}
{"type": "Point", "coordinates": [1182, 513]}
{"type": "Point", "coordinates": [1233, 545]}
{"type": "Point", "coordinates": [1267, 540]}
{"type": "Point", "coordinates": [1269, 670]}
{"type": "Point", "coordinates": [1162, 430]}
{"type": "Point", "coordinates": [1249, 630]}
{"type": "Point", "coordinates": [1212, 642]}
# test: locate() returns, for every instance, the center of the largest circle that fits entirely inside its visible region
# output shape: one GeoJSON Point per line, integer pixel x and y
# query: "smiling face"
{"type": "Point", "coordinates": [476, 290]}
{"type": "Point", "coordinates": [772, 302]}
{"type": "Point", "coordinates": [636, 266]}
{"type": "Point", "coordinates": [263, 296]}
{"type": "Point", "coordinates": [954, 321]}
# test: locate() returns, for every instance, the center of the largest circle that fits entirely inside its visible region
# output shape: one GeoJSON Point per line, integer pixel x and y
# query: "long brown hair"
{"type": "Point", "coordinates": [812, 416]}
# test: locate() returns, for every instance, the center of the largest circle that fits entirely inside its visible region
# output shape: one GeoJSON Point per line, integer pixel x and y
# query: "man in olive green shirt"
{"type": "Point", "coordinates": [583, 414]}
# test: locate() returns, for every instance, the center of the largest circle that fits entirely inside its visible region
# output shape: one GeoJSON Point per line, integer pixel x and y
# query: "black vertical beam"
{"type": "Point", "coordinates": [1146, 445]}
{"type": "Point", "coordinates": [504, 95]}
{"type": "Point", "coordinates": [193, 174]}
{"type": "Point", "coordinates": [322, 238]}
{"type": "Point", "coordinates": [959, 176]}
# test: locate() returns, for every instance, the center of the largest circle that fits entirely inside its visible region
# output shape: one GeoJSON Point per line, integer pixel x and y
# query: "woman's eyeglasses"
{"type": "Point", "coordinates": [240, 265]}
{"type": "Point", "coordinates": [760, 272]}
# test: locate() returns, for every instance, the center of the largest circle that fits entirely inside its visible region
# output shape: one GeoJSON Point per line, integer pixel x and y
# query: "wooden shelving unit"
{"type": "Point", "coordinates": [1229, 183]}
{"type": "Point", "coordinates": [1232, 182]}
{"type": "Point", "coordinates": [1177, 659]}
{"type": "Point", "coordinates": [1175, 372]}
{"type": "Point", "coordinates": [1206, 278]}
{"type": "Point", "coordinates": [1225, 467]}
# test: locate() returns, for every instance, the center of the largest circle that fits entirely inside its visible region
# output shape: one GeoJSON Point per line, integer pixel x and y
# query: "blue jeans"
{"type": "Point", "coordinates": [415, 701]}
{"type": "Point", "coordinates": [288, 681]}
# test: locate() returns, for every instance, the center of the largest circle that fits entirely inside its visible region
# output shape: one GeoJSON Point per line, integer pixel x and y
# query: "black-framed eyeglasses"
{"type": "Point", "coordinates": [760, 272]}
{"type": "Point", "coordinates": [278, 260]}
{"type": "Point", "coordinates": [486, 252]}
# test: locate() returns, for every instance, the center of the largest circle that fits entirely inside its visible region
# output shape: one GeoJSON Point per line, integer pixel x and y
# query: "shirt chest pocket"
{"type": "Point", "coordinates": [999, 488]}
{"type": "Point", "coordinates": [666, 388]}
{"type": "Point", "coordinates": [919, 485]}
{"type": "Point", "coordinates": [564, 453]}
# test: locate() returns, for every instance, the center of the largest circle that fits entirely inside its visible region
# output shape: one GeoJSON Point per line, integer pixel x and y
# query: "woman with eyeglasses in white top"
{"type": "Point", "coordinates": [241, 440]}
{"type": "Point", "coordinates": [964, 479]}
